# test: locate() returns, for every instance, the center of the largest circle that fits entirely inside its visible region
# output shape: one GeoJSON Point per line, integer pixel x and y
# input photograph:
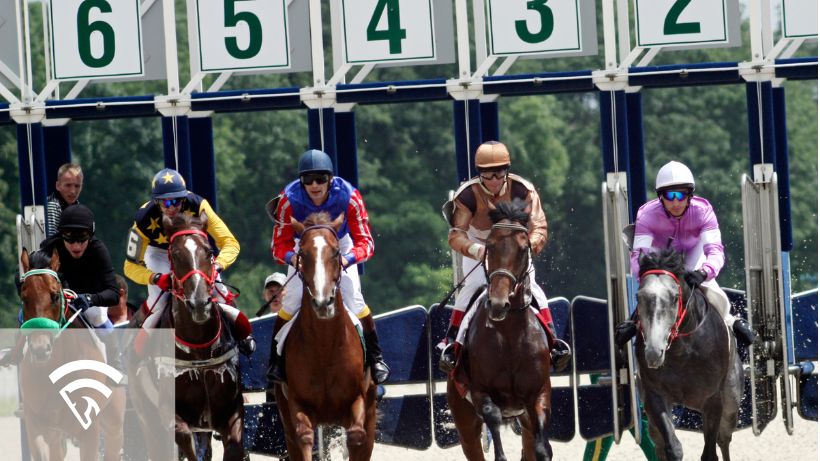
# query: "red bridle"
{"type": "Point", "coordinates": [674, 333]}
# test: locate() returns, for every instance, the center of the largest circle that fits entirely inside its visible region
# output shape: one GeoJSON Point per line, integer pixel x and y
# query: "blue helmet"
{"type": "Point", "coordinates": [315, 161]}
{"type": "Point", "coordinates": [168, 183]}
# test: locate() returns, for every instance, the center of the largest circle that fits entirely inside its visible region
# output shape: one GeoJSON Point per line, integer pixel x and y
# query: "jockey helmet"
{"type": "Point", "coordinates": [492, 154]}
{"type": "Point", "coordinates": [674, 174]}
{"type": "Point", "coordinates": [315, 161]}
{"type": "Point", "coordinates": [168, 183]}
{"type": "Point", "coordinates": [77, 217]}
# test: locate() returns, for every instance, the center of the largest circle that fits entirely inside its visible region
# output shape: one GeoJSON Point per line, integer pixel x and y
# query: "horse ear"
{"type": "Point", "coordinates": [337, 223]}
{"type": "Point", "coordinates": [24, 260]}
{"type": "Point", "coordinates": [204, 218]}
{"type": "Point", "coordinates": [55, 260]}
{"type": "Point", "coordinates": [297, 226]}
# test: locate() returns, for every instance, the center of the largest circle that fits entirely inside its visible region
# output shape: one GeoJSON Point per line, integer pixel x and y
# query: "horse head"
{"type": "Point", "coordinates": [660, 302]}
{"type": "Point", "coordinates": [43, 302]}
{"type": "Point", "coordinates": [192, 266]}
{"type": "Point", "coordinates": [320, 261]}
{"type": "Point", "coordinates": [507, 258]}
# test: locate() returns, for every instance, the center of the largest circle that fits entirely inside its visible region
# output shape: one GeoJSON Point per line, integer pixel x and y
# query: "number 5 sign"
{"type": "Point", "coordinates": [95, 39]}
{"type": "Point", "coordinates": [686, 22]}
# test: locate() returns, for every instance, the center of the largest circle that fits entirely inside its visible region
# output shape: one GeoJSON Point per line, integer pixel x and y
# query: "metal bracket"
{"type": "Point", "coordinates": [173, 105]}
{"type": "Point", "coordinates": [465, 89]}
{"type": "Point", "coordinates": [610, 80]}
{"type": "Point", "coordinates": [315, 97]}
{"type": "Point", "coordinates": [757, 71]}
{"type": "Point", "coordinates": [28, 113]}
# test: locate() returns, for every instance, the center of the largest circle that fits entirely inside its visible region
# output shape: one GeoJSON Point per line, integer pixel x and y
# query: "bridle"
{"type": "Point", "coordinates": [336, 256]}
{"type": "Point", "coordinates": [65, 295]}
{"type": "Point", "coordinates": [516, 279]}
{"type": "Point", "coordinates": [674, 332]}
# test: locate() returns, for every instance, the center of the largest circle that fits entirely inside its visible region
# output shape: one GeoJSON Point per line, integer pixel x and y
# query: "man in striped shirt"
{"type": "Point", "coordinates": [68, 187]}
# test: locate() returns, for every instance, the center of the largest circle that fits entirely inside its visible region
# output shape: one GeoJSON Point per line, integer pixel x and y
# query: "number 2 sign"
{"type": "Point", "coordinates": [684, 22]}
{"type": "Point", "coordinates": [387, 30]}
{"type": "Point", "coordinates": [95, 38]}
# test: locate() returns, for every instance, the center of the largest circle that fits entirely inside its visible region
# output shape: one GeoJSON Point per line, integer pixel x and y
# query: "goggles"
{"type": "Point", "coordinates": [493, 174]}
{"type": "Point", "coordinates": [169, 202]}
{"type": "Point", "coordinates": [76, 237]}
{"type": "Point", "coordinates": [318, 178]}
{"type": "Point", "coordinates": [672, 195]}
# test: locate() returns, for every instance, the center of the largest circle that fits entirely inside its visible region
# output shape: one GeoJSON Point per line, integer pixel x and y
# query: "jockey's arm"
{"type": "Point", "coordinates": [457, 238]}
{"type": "Point", "coordinates": [642, 243]}
{"type": "Point", "coordinates": [712, 245]}
{"type": "Point", "coordinates": [225, 241]}
{"type": "Point", "coordinates": [283, 244]}
{"type": "Point", "coordinates": [134, 267]}
{"type": "Point", "coordinates": [359, 225]}
{"type": "Point", "coordinates": [538, 224]}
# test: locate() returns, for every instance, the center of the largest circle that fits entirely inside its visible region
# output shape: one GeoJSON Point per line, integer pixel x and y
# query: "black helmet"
{"type": "Point", "coordinates": [78, 217]}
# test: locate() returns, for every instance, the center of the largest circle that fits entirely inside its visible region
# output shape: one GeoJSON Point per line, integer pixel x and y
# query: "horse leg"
{"type": "Point", "coordinates": [661, 429]}
{"type": "Point", "coordinates": [89, 443]}
{"type": "Point", "coordinates": [527, 438]}
{"type": "Point", "coordinates": [233, 450]}
{"type": "Point", "coordinates": [355, 432]}
{"type": "Point", "coordinates": [184, 439]}
{"type": "Point", "coordinates": [539, 414]}
{"type": "Point", "coordinates": [302, 430]}
{"type": "Point", "coordinates": [112, 424]}
{"type": "Point", "coordinates": [364, 450]}
{"type": "Point", "coordinates": [712, 415]}
{"type": "Point", "coordinates": [491, 414]}
{"type": "Point", "coordinates": [467, 423]}
{"type": "Point", "coordinates": [294, 453]}
{"type": "Point", "coordinates": [728, 423]}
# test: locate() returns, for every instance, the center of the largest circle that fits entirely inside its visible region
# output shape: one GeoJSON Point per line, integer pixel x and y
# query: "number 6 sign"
{"type": "Point", "coordinates": [95, 39]}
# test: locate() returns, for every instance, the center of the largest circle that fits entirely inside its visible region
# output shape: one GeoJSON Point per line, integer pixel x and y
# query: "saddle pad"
{"type": "Point", "coordinates": [283, 333]}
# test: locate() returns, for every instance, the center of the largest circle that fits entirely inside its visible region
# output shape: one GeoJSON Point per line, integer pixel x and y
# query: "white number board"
{"type": "Point", "coordinates": [534, 26]}
{"type": "Point", "coordinates": [799, 18]}
{"type": "Point", "coordinates": [387, 31]}
{"type": "Point", "coordinates": [242, 34]}
{"type": "Point", "coordinates": [683, 22]}
{"type": "Point", "coordinates": [95, 39]}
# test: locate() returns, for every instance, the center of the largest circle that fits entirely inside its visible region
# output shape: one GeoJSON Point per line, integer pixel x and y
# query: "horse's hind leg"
{"type": "Point", "coordinates": [185, 442]}
{"type": "Point", "coordinates": [467, 422]}
{"type": "Point", "coordinates": [536, 446]}
{"type": "Point", "coordinates": [728, 423]}
{"type": "Point", "coordinates": [491, 414]}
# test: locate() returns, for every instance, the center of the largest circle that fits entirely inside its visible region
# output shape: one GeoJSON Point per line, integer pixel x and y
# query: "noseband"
{"type": "Point", "coordinates": [516, 280]}
{"type": "Point", "coordinates": [177, 289]}
{"type": "Point", "coordinates": [337, 256]}
{"type": "Point", "coordinates": [674, 333]}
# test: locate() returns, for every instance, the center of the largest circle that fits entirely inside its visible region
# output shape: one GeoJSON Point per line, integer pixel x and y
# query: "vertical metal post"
{"type": "Point", "coordinates": [614, 134]}
{"type": "Point", "coordinates": [32, 170]}
{"type": "Point", "coordinates": [170, 31]}
{"type": "Point", "coordinates": [316, 43]}
{"type": "Point", "coordinates": [781, 141]}
{"type": "Point", "coordinates": [489, 121]}
{"type": "Point", "coordinates": [177, 149]}
{"type": "Point", "coordinates": [462, 39]}
{"type": "Point", "coordinates": [57, 150]}
{"type": "Point", "coordinates": [636, 175]}
{"type": "Point", "coordinates": [347, 147]}
{"type": "Point", "coordinates": [610, 55]}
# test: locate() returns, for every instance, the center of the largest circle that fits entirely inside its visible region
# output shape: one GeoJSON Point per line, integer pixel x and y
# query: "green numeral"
{"type": "Point", "coordinates": [394, 34]}
{"type": "Point", "coordinates": [671, 26]}
{"type": "Point", "coordinates": [86, 28]}
{"type": "Point", "coordinates": [547, 23]}
{"type": "Point", "coordinates": [232, 19]}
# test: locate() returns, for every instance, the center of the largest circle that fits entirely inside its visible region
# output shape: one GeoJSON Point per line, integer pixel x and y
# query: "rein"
{"type": "Point", "coordinates": [516, 280]}
{"type": "Point", "coordinates": [675, 333]}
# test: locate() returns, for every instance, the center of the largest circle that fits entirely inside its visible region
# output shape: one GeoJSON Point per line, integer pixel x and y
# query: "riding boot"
{"type": "Point", "coordinates": [373, 351]}
{"type": "Point", "coordinates": [626, 330]}
{"type": "Point", "coordinates": [743, 332]}
{"type": "Point", "coordinates": [446, 349]}
{"type": "Point", "coordinates": [240, 328]}
{"type": "Point", "coordinates": [276, 367]}
{"type": "Point", "coordinates": [560, 352]}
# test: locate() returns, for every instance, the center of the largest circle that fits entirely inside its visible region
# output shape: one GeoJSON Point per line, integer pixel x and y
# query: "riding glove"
{"type": "Point", "coordinates": [82, 302]}
{"type": "Point", "coordinates": [163, 281]}
{"type": "Point", "coordinates": [695, 278]}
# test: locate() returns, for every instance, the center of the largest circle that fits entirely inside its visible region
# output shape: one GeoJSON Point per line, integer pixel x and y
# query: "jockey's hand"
{"type": "Point", "coordinates": [162, 281]}
{"type": "Point", "coordinates": [82, 302]}
{"type": "Point", "coordinates": [695, 278]}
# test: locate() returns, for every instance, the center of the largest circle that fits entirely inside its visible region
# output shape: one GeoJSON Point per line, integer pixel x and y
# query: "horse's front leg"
{"type": "Point", "coordinates": [302, 427]}
{"type": "Point", "coordinates": [491, 414]}
{"type": "Point", "coordinates": [232, 436]}
{"type": "Point", "coordinates": [184, 439]}
{"type": "Point", "coordinates": [661, 429]}
{"type": "Point", "coordinates": [356, 435]}
{"type": "Point", "coordinates": [538, 414]}
{"type": "Point", "coordinates": [467, 423]}
{"type": "Point", "coordinates": [712, 415]}
{"type": "Point", "coordinates": [363, 451]}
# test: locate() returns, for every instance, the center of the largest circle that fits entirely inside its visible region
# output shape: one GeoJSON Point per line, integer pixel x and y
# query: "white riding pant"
{"type": "Point", "coordinates": [477, 279]}
{"type": "Point", "coordinates": [350, 286]}
{"type": "Point", "coordinates": [718, 299]}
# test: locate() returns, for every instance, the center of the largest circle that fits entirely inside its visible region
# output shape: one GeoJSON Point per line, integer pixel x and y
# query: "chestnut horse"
{"type": "Point", "coordinates": [47, 416]}
{"type": "Point", "coordinates": [208, 388]}
{"type": "Point", "coordinates": [505, 364]}
{"type": "Point", "coordinates": [324, 359]}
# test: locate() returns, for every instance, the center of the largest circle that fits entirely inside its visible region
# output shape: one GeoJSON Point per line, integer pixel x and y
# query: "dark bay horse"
{"type": "Point", "coordinates": [208, 389]}
{"type": "Point", "coordinates": [324, 359]}
{"type": "Point", "coordinates": [48, 347]}
{"type": "Point", "coordinates": [686, 355]}
{"type": "Point", "coordinates": [506, 361]}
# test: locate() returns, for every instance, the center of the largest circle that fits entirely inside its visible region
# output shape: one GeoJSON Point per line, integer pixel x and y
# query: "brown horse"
{"type": "Point", "coordinates": [324, 360]}
{"type": "Point", "coordinates": [208, 391]}
{"type": "Point", "coordinates": [47, 415]}
{"type": "Point", "coordinates": [506, 359]}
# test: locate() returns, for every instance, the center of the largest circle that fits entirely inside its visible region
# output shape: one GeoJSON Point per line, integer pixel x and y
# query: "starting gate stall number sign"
{"type": "Point", "coordinates": [534, 26]}
{"type": "Point", "coordinates": [242, 34]}
{"type": "Point", "coordinates": [95, 39]}
{"type": "Point", "coordinates": [387, 30]}
{"type": "Point", "coordinates": [799, 18]}
{"type": "Point", "coordinates": [682, 22]}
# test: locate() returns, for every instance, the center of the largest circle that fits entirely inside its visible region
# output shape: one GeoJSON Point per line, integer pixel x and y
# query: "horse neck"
{"type": "Point", "coordinates": [190, 331]}
{"type": "Point", "coordinates": [696, 307]}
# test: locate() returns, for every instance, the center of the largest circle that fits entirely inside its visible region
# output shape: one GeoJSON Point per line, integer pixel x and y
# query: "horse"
{"type": "Point", "coordinates": [506, 360]}
{"type": "Point", "coordinates": [324, 356]}
{"type": "Point", "coordinates": [51, 413]}
{"type": "Point", "coordinates": [207, 384]}
{"type": "Point", "coordinates": [686, 355]}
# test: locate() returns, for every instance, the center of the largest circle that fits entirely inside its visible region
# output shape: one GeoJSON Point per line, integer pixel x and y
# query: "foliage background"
{"type": "Point", "coordinates": [406, 167]}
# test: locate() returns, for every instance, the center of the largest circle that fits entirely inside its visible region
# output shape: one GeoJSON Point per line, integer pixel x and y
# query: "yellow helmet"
{"type": "Point", "coordinates": [492, 154]}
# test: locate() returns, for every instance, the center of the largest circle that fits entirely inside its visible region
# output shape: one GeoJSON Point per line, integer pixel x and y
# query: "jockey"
{"type": "Point", "coordinates": [147, 261]}
{"type": "Point", "coordinates": [470, 226]}
{"type": "Point", "coordinates": [318, 190]}
{"type": "Point", "coordinates": [687, 223]}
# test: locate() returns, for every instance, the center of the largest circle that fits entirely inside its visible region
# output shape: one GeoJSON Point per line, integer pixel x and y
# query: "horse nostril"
{"type": "Point", "coordinates": [331, 301]}
{"type": "Point", "coordinates": [315, 303]}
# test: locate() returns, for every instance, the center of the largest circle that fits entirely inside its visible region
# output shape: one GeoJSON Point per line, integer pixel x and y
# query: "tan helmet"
{"type": "Point", "coordinates": [492, 154]}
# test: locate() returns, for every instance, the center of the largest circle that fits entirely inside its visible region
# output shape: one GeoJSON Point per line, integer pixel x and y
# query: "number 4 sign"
{"type": "Point", "coordinates": [95, 39]}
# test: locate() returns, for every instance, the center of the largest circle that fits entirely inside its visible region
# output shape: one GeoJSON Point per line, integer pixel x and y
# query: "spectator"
{"type": "Point", "coordinates": [274, 291]}
{"type": "Point", "coordinates": [123, 310]}
{"type": "Point", "coordinates": [68, 187]}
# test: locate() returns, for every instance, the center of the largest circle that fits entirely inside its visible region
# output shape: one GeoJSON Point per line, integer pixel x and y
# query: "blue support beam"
{"type": "Point", "coordinates": [322, 133]}
{"type": "Point", "coordinates": [781, 140]}
{"type": "Point", "coordinates": [31, 166]}
{"type": "Point", "coordinates": [614, 131]}
{"type": "Point", "coordinates": [796, 68]}
{"type": "Point", "coordinates": [203, 161]}
{"type": "Point", "coordinates": [393, 92]}
{"type": "Point", "coordinates": [541, 83]}
{"type": "Point", "coordinates": [347, 147]}
{"type": "Point", "coordinates": [177, 149]}
{"type": "Point", "coordinates": [247, 100]}
{"type": "Point", "coordinates": [102, 108]}
{"type": "Point", "coordinates": [489, 121]}
{"type": "Point", "coordinates": [57, 142]}
{"type": "Point", "coordinates": [468, 130]}
{"type": "Point", "coordinates": [679, 75]}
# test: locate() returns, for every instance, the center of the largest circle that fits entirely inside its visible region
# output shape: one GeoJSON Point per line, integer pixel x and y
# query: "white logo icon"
{"type": "Point", "coordinates": [91, 404]}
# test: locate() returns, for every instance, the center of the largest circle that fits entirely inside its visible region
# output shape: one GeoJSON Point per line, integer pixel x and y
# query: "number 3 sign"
{"type": "Point", "coordinates": [95, 38]}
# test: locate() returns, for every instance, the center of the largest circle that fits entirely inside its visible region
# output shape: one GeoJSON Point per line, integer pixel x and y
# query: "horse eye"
{"type": "Point", "coordinates": [55, 298]}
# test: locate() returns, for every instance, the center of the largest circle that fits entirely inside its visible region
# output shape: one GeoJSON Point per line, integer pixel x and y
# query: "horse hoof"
{"type": "Point", "coordinates": [355, 437]}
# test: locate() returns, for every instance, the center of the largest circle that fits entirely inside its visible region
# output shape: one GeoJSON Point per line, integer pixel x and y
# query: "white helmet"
{"type": "Point", "coordinates": [674, 174]}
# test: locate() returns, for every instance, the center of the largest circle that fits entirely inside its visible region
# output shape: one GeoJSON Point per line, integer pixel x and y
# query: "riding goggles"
{"type": "Point", "coordinates": [76, 237]}
{"type": "Point", "coordinates": [493, 174]}
{"type": "Point", "coordinates": [169, 202]}
{"type": "Point", "coordinates": [672, 195]}
{"type": "Point", "coordinates": [318, 178]}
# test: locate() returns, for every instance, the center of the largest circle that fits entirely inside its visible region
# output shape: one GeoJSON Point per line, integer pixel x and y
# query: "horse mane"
{"type": "Point", "coordinates": [183, 221]}
{"type": "Point", "coordinates": [514, 211]}
{"type": "Point", "coordinates": [667, 259]}
{"type": "Point", "coordinates": [39, 260]}
{"type": "Point", "coordinates": [315, 219]}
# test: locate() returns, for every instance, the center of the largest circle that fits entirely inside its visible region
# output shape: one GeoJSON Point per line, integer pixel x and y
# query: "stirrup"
{"type": "Point", "coordinates": [743, 332]}
{"type": "Point", "coordinates": [447, 361]}
{"type": "Point", "coordinates": [560, 355]}
{"type": "Point", "coordinates": [276, 374]}
{"type": "Point", "coordinates": [247, 346]}
{"type": "Point", "coordinates": [380, 370]}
